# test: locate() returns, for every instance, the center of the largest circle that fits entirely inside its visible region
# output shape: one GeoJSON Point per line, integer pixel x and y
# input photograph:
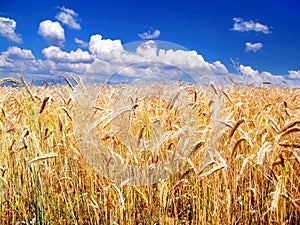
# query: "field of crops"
{"type": "Point", "coordinates": [47, 176]}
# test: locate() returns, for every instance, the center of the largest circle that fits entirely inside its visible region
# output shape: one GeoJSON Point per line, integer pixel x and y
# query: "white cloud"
{"type": "Point", "coordinates": [16, 61]}
{"type": "Point", "coordinates": [99, 69]}
{"type": "Point", "coordinates": [249, 72]}
{"type": "Point", "coordinates": [104, 47]}
{"type": "Point", "coordinates": [7, 30]}
{"type": "Point", "coordinates": [275, 79]}
{"type": "Point", "coordinates": [68, 17]}
{"type": "Point", "coordinates": [242, 26]}
{"type": "Point", "coordinates": [149, 35]}
{"type": "Point", "coordinates": [69, 11]}
{"type": "Point", "coordinates": [293, 74]}
{"type": "Point", "coordinates": [148, 69]}
{"type": "Point", "coordinates": [81, 43]}
{"type": "Point", "coordinates": [15, 53]}
{"type": "Point", "coordinates": [106, 57]}
{"type": "Point", "coordinates": [5, 64]}
{"type": "Point", "coordinates": [252, 76]}
{"type": "Point", "coordinates": [188, 61]}
{"type": "Point", "coordinates": [147, 50]}
{"type": "Point", "coordinates": [56, 54]}
{"type": "Point", "coordinates": [254, 47]}
{"type": "Point", "coordinates": [218, 68]}
{"type": "Point", "coordinates": [52, 32]}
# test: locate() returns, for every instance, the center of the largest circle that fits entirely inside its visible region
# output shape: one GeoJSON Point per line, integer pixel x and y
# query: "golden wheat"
{"type": "Point", "coordinates": [254, 178]}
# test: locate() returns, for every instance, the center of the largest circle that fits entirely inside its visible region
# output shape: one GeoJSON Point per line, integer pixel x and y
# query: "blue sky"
{"type": "Point", "coordinates": [250, 41]}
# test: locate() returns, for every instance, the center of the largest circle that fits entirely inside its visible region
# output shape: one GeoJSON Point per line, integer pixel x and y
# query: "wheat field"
{"type": "Point", "coordinates": [46, 177]}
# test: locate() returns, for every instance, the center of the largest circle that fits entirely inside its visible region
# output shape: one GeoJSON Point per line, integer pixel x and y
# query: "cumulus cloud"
{"type": "Point", "coordinates": [254, 47]}
{"type": "Point", "coordinates": [148, 69]}
{"type": "Point", "coordinates": [275, 79]}
{"type": "Point", "coordinates": [136, 62]}
{"type": "Point", "coordinates": [16, 61]}
{"type": "Point", "coordinates": [5, 64]}
{"type": "Point", "coordinates": [147, 50]}
{"type": "Point", "coordinates": [15, 53]}
{"type": "Point", "coordinates": [107, 57]}
{"type": "Point", "coordinates": [248, 71]}
{"type": "Point", "coordinates": [52, 32]}
{"type": "Point", "coordinates": [7, 30]}
{"type": "Point", "coordinates": [149, 35]}
{"type": "Point", "coordinates": [293, 74]}
{"type": "Point", "coordinates": [252, 76]}
{"type": "Point", "coordinates": [81, 43]}
{"type": "Point", "coordinates": [188, 61]}
{"type": "Point", "coordinates": [241, 26]}
{"type": "Point", "coordinates": [56, 54]}
{"type": "Point", "coordinates": [218, 68]}
{"type": "Point", "coordinates": [103, 47]}
{"type": "Point", "coordinates": [68, 17]}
